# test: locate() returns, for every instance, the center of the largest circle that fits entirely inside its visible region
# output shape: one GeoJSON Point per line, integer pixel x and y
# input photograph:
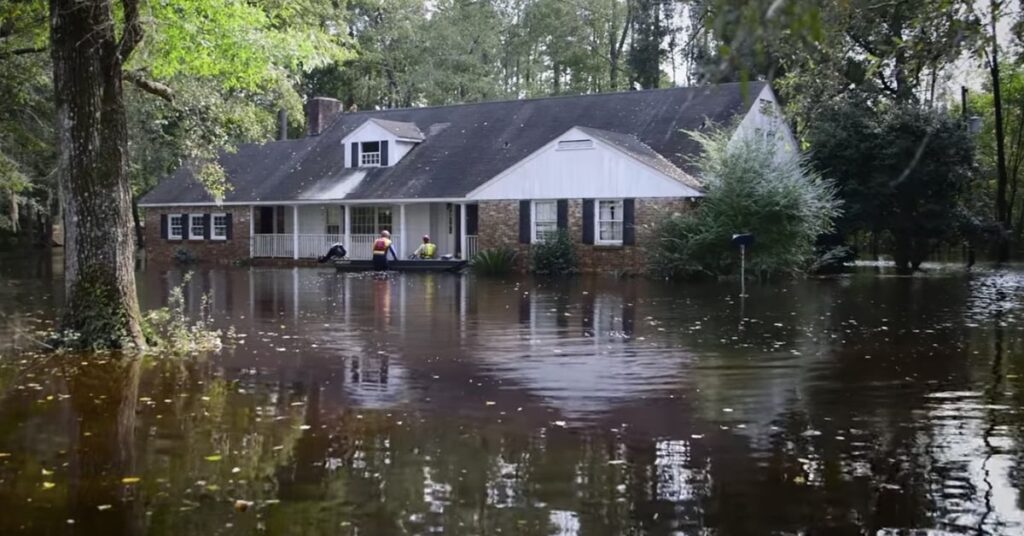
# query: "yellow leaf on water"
{"type": "Point", "coordinates": [48, 485]}
{"type": "Point", "coordinates": [213, 458]}
{"type": "Point", "coordinates": [47, 473]}
{"type": "Point", "coordinates": [130, 480]}
{"type": "Point", "coordinates": [103, 507]}
{"type": "Point", "coordinates": [5, 454]}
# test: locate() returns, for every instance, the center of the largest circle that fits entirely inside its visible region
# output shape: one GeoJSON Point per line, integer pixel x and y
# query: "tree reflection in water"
{"type": "Point", "coordinates": [593, 406]}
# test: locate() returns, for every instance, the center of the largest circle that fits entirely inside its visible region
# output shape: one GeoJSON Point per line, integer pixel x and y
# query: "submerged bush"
{"type": "Point", "coordinates": [555, 256]}
{"type": "Point", "coordinates": [170, 328]}
{"type": "Point", "coordinates": [749, 188]}
{"type": "Point", "coordinates": [494, 262]}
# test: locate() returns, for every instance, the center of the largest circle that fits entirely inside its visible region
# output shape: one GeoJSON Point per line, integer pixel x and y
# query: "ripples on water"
{"type": "Point", "coordinates": [444, 404]}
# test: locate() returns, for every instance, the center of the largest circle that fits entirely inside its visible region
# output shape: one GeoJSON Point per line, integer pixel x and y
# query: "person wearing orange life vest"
{"type": "Point", "coordinates": [427, 249]}
{"type": "Point", "coordinates": [381, 247]}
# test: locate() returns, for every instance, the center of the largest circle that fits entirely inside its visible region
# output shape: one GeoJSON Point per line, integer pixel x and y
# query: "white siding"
{"type": "Point", "coordinates": [602, 171]}
{"type": "Point", "coordinates": [371, 131]}
{"type": "Point", "coordinates": [757, 122]}
{"type": "Point", "coordinates": [312, 219]}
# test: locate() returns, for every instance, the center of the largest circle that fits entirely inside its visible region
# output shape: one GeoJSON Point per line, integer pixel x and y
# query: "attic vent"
{"type": "Point", "coordinates": [575, 145]}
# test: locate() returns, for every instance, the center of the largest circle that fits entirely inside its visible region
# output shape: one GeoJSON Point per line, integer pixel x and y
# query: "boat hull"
{"type": "Point", "coordinates": [406, 265]}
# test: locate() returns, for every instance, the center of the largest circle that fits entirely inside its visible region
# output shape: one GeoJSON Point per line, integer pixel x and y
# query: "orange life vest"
{"type": "Point", "coordinates": [381, 245]}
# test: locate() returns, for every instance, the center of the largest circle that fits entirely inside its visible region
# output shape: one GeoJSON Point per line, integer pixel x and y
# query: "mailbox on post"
{"type": "Point", "coordinates": [743, 240]}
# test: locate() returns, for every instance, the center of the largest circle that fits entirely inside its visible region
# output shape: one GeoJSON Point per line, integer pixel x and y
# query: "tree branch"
{"type": "Point", "coordinates": [132, 35]}
{"type": "Point", "coordinates": [149, 86]}
{"type": "Point", "coordinates": [20, 51]}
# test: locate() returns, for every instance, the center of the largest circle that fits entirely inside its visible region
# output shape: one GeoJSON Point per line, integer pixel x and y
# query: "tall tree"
{"type": "Point", "coordinates": [102, 308]}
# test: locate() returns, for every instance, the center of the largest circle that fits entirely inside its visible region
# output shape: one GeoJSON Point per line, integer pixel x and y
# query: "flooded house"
{"type": "Point", "coordinates": [602, 167]}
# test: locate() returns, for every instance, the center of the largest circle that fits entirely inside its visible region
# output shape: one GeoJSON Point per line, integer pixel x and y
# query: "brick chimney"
{"type": "Point", "coordinates": [320, 112]}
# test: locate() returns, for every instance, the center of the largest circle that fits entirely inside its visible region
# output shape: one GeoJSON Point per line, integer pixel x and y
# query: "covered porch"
{"type": "Point", "coordinates": [307, 231]}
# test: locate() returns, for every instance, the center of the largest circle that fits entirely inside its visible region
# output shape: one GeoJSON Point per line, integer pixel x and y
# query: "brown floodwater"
{"type": "Point", "coordinates": [344, 404]}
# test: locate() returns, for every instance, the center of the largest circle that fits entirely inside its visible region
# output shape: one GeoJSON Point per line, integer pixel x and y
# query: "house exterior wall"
{"type": "Point", "coordinates": [600, 171]}
{"type": "Point", "coordinates": [233, 249]}
{"type": "Point", "coordinates": [765, 118]}
{"type": "Point", "coordinates": [499, 227]}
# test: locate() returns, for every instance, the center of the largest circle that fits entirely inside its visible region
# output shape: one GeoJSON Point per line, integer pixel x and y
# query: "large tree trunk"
{"type": "Point", "coordinates": [102, 307]}
{"type": "Point", "coordinates": [1002, 214]}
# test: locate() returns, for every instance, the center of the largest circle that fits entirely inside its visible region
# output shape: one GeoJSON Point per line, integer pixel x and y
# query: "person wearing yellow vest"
{"type": "Point", "coordinates": [427, 249]}
{"type": "Point", "coordinates": [381, 247]}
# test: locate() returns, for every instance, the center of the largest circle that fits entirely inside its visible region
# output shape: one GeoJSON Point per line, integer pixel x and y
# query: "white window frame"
{"type": "Point", "coordinates": [170, 227]}
{"type": "Point", "coordinates": [534, 237]}
{"type": "Point", "coordinates": [213, 226]}
{"type": "Point", "coordinates": [375, 156]}
{"type": "Point", "coordinates": [191, 225]}
{"type": "Point", "coordinates": [597, 221]}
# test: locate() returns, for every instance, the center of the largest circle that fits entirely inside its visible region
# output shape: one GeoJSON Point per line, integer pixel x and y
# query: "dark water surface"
{"type": "Point", "coordinates": [444, 404]}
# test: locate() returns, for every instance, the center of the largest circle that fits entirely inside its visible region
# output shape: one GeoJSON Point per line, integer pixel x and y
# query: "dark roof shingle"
{"type": "Point", "coordinates": [468, 144]}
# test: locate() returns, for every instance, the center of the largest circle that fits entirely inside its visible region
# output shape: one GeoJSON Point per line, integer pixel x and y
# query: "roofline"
{"type": "Point", "coordinates": [553, 141]}
{"type": "Point", "coordinates": [308, 202]}
{"type": "Point", "coordinates": [536, 99]}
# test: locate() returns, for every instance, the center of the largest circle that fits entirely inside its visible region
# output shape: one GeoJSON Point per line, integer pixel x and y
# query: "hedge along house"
{"type": "Point", "coordinates": [604, 167]}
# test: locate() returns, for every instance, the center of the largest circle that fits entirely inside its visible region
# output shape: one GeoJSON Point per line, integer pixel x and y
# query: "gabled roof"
{"type": "Point", "coordinates": [630, 145]}
{"type": "Point", "coordinates": [401, 129]}
{"type": "Point", "coordinates": [466, 145]}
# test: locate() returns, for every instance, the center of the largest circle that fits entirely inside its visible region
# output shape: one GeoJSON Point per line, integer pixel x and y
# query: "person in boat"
{"type": "Point", "coordinates": [337, 251]}
{"type": "Point", "coordinates": [381, 248]}
{"type": "Point", "coordinates": [427, 250]}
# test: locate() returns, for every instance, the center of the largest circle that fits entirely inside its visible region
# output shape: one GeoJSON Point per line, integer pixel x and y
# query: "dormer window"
{"type": "Point", "coordinates": [369, 154]}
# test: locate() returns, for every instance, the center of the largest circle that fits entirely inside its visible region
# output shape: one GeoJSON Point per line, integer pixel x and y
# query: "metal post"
{"type": "Point", "coordinates": [743, 270]}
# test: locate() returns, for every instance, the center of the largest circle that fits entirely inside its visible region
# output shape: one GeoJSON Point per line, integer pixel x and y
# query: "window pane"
{"type": "Point", "coordinates": [546, 211]}
{"type": "Point", "coordinates": [362, 220]}
{"type": "Point", "coordinates": [610, 231]}
{"type": "Point", "coordinates": [610, 210]}
{"type": "Point", "coordinates": [371, 147]}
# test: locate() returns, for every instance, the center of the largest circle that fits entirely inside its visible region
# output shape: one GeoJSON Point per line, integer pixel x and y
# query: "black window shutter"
{"type": "Point", "coordinates": [163, 226]}
{"type": "Point", "coordinates": [206, 226]}
{"type": "Point", "coordinates": [628, 222]}
{"type": "Point", "coordinates": [355, 154]}
{"type": "Point", "coordinates": [563, 214]}
{"type": "Point", "coordinates": [186, 227]}
{"type": "Point", "coordinates": [384, 153]}
{"type": "Point", "coordinates": [588, 221]}
{"type": "Point", "coordinates": [472, 219]}
{"type": "Point", "coordinates": [230, 232]}
{"type": "Point", "coordinates": [458, 231]}
{"type": "Point", "coordinates": [524, 222]}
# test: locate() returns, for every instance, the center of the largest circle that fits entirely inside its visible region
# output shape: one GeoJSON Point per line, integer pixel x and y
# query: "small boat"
{"type": "Point", "coordinates": [404, 265]}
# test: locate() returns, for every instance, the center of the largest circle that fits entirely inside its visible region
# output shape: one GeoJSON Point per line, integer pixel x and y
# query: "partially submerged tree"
{"type": "Point", "coordinates": [900, 171]}
{"type": "Point", "coordinates": [749, 187]}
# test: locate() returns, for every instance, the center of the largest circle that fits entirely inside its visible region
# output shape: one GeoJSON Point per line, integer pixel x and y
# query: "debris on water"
{"type": "Point", "coordinates": [130, 480]}
{"type": "Point", "coordinates": [560, 424]}
{"type": "Point", "coordinates": [104, 507]}
{"type": "Point", "coordinates": [242, 506]}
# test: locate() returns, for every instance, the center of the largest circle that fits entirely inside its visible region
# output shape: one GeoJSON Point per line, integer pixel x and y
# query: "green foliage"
{"type": "Point", "coordinates": [170, 330]}
{"type": "Point", "coordinates": [494, 262]}
{"type": "Point", "coordinates": [749, 187]}
{"type": "Point", "coordinates": [555, 256]}
{"type": "Point", "coordinates": [901, 171]}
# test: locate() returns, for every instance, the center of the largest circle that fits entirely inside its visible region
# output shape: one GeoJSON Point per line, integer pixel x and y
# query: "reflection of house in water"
{"type": "Point", "coordinates": [580, 355]}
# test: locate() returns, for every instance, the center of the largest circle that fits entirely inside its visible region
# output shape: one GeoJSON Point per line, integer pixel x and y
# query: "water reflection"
{"type": "Point", "coordinates": [445, 404]}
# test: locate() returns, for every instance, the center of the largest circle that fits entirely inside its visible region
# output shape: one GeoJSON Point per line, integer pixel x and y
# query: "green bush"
{"type": "Point", "coordinates": [494, 262]}
{"type": "Point", "coordinates": [169, 329]}
{"type": "Point", "coordinates": [554, 257]}
{"type": "Point", "coordinates": [749, 188]}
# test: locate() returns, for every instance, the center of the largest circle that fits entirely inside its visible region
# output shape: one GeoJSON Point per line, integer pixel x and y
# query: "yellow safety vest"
{"type": "Point", "coordinates": [381, 245]}
{"type": "Point", "coordinates": [428, 250]}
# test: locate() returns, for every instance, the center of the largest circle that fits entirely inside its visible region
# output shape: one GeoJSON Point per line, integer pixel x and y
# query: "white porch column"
{"type": "Point", "coordinates": [295, 232]}
{"type": "Point", "coordinates": [462, 230]}
{"type": "Point", "coordinates": [347, 209]}
{"type": "Point", "coordinates": [252, 231]}
{"type": "Point", "coordinates": [402, 241]}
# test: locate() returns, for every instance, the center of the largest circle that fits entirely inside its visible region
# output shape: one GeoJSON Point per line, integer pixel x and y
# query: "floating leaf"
{"type": "Point", "coordinates": [48, 485]}
{"type": "Point", "coordinates": [130, 480]}
{"type": "Point", "coordinates": [213, 458]}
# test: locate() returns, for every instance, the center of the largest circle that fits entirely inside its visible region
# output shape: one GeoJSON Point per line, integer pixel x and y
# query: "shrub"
{"type": "Point", "coordinates": [170, 329]}
{"type": "Point", "coordinates": [556, 256]}
{"type": "Point", "coordinates": [494, 262]}
{"type": "Point", "coordinates": [749, 187]}
{"type": "Point", "coordinates": [184, 257]}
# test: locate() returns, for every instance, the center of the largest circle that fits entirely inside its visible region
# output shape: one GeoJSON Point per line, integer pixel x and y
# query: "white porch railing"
{"type": "Point", "coordinates": [273, 245]}
{"type": "Point", "coordinates": [471, 247]}
{"type": "Point", "coordinates": [312, 246]}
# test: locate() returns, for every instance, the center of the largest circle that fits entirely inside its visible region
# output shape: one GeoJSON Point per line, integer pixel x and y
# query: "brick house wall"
{"type": "Point", "coordinates": [235, 248]}
{"type": "Point", "coordinates": [499, 226]}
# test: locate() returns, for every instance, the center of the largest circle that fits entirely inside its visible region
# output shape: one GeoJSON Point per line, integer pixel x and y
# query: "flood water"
{"type": "Point", "coordinates": [451, 404]}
